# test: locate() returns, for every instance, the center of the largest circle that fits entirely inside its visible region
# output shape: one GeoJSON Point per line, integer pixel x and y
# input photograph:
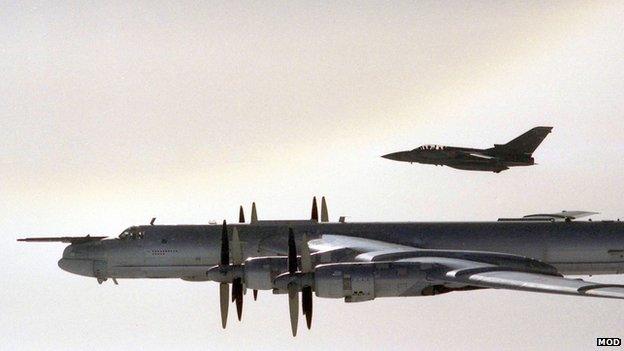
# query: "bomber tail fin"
{"type": "Point", "coordinates": [527, 142]}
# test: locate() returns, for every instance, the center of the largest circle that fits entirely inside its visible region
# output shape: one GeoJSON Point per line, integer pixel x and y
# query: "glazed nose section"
{"type": "Point", "coordinates": [76, 260]}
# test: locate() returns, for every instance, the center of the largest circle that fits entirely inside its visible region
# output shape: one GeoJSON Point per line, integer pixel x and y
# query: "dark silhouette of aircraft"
{"type": "Point", "coordinates": [518, 152]}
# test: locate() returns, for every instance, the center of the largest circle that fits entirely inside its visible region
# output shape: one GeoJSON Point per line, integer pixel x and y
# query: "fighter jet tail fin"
{"type": "Point", "coordinates": [525, 143]}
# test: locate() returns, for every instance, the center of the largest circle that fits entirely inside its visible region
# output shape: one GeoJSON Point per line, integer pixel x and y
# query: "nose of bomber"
{"type": "Point", "coordinates": [76, 260]}
{"type": "Point", "coordinates": [77, 266]}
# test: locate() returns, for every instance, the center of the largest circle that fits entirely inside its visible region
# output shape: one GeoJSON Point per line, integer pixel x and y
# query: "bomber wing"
{"type": "Point", "coordinates": [459, 269]}
{"type": "Point", "coordinates": [344, 248]}
{"type": "Point", "coordinates": [470, 273]}
{"type": "Point", "coordinates": [330, 242]}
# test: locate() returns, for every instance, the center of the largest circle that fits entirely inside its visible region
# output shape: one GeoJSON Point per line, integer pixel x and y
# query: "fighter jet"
{"type": "Point", "coordinates": [518, 152]}
{"type": "Point", "coordinates": [360, 261]}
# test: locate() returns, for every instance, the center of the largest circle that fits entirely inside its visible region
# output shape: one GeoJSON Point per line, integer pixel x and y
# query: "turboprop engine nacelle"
{"type": "Point", "coordinates": [365, 281]}
{"type": "Point", "coordinates": [260, 271]}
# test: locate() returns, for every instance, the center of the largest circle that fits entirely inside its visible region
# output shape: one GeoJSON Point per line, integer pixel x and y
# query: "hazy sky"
{"type": "Point", "coordinates": [114, 112]}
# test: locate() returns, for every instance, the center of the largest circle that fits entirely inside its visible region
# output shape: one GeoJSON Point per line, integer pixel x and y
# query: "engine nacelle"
{"type": "Point", "coordinates": [260, 271]}
{"type": "Point", "coordinates": [365, 281]}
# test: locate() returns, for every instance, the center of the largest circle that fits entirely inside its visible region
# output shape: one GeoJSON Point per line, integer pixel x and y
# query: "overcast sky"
{"type": "Point", "coordinates": [114, 112]}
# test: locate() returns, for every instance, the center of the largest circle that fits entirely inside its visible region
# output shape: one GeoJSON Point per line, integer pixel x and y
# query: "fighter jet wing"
{"type": "Point", "coordinates": [456, 273]}
{"type": "Point", "coordinates": [472, 155]}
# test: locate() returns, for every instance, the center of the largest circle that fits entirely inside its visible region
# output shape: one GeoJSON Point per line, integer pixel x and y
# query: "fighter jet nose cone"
{"type": "Point", "coordinates": [395, 156]}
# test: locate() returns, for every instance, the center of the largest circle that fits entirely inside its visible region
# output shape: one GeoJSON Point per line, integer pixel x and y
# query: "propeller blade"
{"type": "Point", "coordinates": [224, 291]}
{"type": "Point", "coordinates": [293, 305]}
{"type": "Point", "coordinates": [324, 212]}
{"type": "Point", "coordinates": [241, 215]}
{"type": "Point", "coordinates": [314, 215]}
{"type": "Point", "coordinates": [292, 252]}
{"type": "Point", "coordinates": [306, 259]}
{"type": "Point", "coordinates": [225, 246]}
{"type": "Point", "coordinates": [306, 292]}
{"type": "Point", "coordinates": [237, 295]}
{"type": "Point", "coordinates": [255, 294]}
{"type": "Point", "coordinates": [254, 213]}
{"type": "Point", "coordinates": [306, 304]}
{"type": "Point", "coordinates": [237, 249]}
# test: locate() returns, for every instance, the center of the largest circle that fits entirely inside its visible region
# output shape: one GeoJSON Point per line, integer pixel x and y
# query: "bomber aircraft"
{"type": "Point", "coordinates": [518, 152]}
{"type": "Point", "coordinates": [360, 261]}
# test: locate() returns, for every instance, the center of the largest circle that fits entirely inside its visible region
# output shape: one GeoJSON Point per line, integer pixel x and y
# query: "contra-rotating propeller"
{"type": "Point", "coordinates": [297, 280]}
{"type": "Point", "coordinates": [237, 282]}
{"type": "Point", "coordinates": [229, 272]}
{"type": "Point", "coordinates": [241, 219]}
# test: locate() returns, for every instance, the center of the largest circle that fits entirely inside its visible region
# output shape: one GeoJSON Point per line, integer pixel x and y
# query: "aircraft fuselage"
{"type": "Point", "coordinates": [518, 152]}
{"type": "Point", "coordinates": [188, 251]}
{"type": "Point", "coordinates": [463, 158]}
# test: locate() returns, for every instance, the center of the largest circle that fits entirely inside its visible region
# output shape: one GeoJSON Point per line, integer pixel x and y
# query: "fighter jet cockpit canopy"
{"type": "Point", "coordinates": [132, 233]}
{"type": "Point", "coordinates": [430, 147]}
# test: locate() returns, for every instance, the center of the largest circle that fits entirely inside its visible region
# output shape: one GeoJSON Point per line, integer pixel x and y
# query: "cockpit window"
{"type": "Point", "coordinates": [132, 233]}
{"type": "Point", "coordinates": [431, 147]}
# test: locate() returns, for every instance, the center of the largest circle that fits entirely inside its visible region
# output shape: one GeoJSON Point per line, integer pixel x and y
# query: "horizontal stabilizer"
{"type": "Point", "coordinates": [65, 239]}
